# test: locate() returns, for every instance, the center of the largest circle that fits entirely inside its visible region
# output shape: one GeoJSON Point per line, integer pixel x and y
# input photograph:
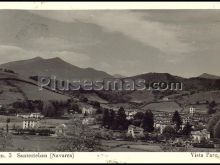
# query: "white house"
{"type": "Point", "coordinates": [61, 130]}
{"type": "Point", "coordinates": [135, 132]}
{"type": "Point", "coordinates": [197, 136]}
{"type": "Point", "coordinates": [88, 121]}
{"type": "Point", "coordinates": [192, 110]}
{"type": "Point", "coordinates": [130, 114]}
{"type": "Point", "coordinates": [30, 124]}
{"type": "Point", "coordinates": [23, 115]}
{"type": "Point", "coordinates": [165, 99]}
{"type": "Point", "coordinates": [36, 115]}
{"type": "Point", "coordinates": [88, 110]}
{"type": "Point", "coordinates": [31, 115]}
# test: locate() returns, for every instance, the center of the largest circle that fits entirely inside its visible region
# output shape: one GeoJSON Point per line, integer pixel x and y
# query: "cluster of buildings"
{"type": "Point", "coordinates": [163, 119]}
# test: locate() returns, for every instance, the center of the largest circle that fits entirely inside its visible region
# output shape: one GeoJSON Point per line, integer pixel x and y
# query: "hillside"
{"type": "Point", "coordinates": [13, 88]}
{"type": "Point", "coordinates": [209, 76]}
{"type": "Point", "coordinates": [189, 84]}
{"type": "Point", "coordinates": [53, 67]}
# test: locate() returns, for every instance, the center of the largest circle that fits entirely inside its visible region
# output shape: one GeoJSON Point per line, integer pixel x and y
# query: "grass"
{"type": "Point", "coordinates": [163, 106]}
{"type": "Point", "coordinates": [129, 146]}
{"type": "Point", "coordinates": [29, 143]}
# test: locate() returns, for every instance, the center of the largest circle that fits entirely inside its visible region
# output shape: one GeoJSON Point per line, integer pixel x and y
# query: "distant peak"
{"type": "Point", "coordinates": [37, 58]}
{"type": "Point", "coordinates": [209, 76]}
{"type": "Point", "coordinates": [55, 59]}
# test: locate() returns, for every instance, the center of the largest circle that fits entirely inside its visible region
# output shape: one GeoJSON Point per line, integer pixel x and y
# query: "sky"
{"type": "Point", "coordinates": [127, 42]}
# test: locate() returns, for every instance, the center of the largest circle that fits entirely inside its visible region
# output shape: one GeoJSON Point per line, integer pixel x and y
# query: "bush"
{"type": "Point", "coordinates": [169, 132]}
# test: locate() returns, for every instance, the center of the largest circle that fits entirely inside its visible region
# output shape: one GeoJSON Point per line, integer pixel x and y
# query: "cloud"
{"type": "Point", "coordinates": [164, 37]}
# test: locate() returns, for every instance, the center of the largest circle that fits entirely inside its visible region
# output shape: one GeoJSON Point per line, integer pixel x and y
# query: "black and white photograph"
{"type": "Point", "coordinates": [110, 80]}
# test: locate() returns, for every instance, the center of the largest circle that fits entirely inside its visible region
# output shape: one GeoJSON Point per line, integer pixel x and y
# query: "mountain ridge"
{"type": "Point", "coordinates": [39, 66]}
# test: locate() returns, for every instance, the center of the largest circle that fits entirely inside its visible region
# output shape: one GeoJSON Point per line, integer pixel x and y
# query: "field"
{"type": "Point", "coordinates": [163, 106]}
{"type": "Point", "coordinates": [33, 143]}
{"type": "Point", "coordinates": [129, 146]}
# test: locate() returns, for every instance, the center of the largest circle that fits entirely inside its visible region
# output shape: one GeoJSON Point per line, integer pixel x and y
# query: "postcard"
{"type": "Point", "coordinates": [109, 82]}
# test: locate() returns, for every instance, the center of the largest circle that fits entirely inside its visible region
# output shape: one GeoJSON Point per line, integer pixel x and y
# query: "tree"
{"type": "Point", "coordinates": [106, 117]}
{"type": "Point", "coordinates": [139, 116]}
{"type": "Point", "coordinates": [121, 119]}
{"type": "Point", "coordinates": [48, 110]}
{"type": "Point", "coordinates": [212, 104]}
{"type": "Point", "coordinates": [148, 121]}
{"type": "Point", "coordinates": [176, 119]}
{"type": "Point", "coordinates": [99, 111]}
{"type": "Point", "coordinates": [187, 129]}
{"type": "Point", "coordinates": [217, 130]}
{"type": "Point", "coordinates": [79, 138]}
{"type": "Point", "coordinates": [112, 119]}
{"type": "Point", "coordinates": [211, 110]}
{"type": "Point", "coordinates": [75, 108]}
{"type": "Point", "coordinates": [96, 104]}
{"type": "Point", "coordinates": [212, 122]}
{"type": "Point", "coordinates": [7, 121]}
{"type": "Point", "coordinates": [169, 132]}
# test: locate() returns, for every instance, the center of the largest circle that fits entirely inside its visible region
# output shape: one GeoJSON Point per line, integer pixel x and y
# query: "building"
{"type": "Point", "coordinates": [88, 110]}
{"type": "Point", "coordinates": [61, 130]}
{"type": "Point", "coordinates": [30, 115]}
{"type": "Point", "coordinates": [192, 110]}
{"type": "Point", "coordinates": [130, 114]}
{"type": "Point", "coordinates": [88, 121]}
{"type": "Point", "coordinates": [165, 99]}
{"type": "Point", "coordinates": [160, 127]}
{"type": "Point", "coordinates": [36, 115]}
{"type": "Point", "coordinates": [198, 136]}
{"type": "Point", "coordinates": [135, 132]}
{"type": "Point", "coordinates": [30, 124]}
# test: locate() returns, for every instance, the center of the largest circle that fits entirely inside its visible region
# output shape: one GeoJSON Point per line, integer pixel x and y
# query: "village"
{"type": "Point", "coordinates": [92, 115]}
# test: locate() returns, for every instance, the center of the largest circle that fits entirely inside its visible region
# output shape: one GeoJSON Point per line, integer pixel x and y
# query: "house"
{"type": "Point", "coordinates": [61, 130]}
{"type": "Point", "coordinates": [165, 99]}
{"type": "Point", "coordinates": [192, 110]}
{"type": "Point", "coordinates": [130, 114]}
{"type": "Point", "coordinates": [23, 115]}
{"type": "Point", "coordinates": [31, 115]}
{"type": "Point", "coordinates": [36, 115]}
{"type": "Point", "coordinates": [160, 125]}
{"type": "Point", "coordinates": [88, 121]}
{"type": "Point", "coordinates": [135, 132]}
{"type": "Point", "coordinates": [198, 136]}
{"type": "Point", "coordinates": [30, 123]}
{"type": "Point", "coordinates": [88, 110]}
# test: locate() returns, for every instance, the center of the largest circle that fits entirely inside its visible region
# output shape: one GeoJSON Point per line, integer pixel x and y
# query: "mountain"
{"type": "Point", "coordinates": [209, 76]}
{"type": "Point", "coordinates": [53, 67]}
{"type": "Point", "coordinates": [118, 76]}
{"type": "Point", "coordinates": [194, 83]}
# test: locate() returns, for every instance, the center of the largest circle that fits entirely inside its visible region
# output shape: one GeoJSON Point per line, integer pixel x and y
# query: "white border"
{"type": "Point", "coordinates": [112, 157]}
{"type": "Point", "coordinates": [107, 5]}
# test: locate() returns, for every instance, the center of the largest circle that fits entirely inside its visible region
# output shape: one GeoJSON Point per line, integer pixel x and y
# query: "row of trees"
{"type": "Point", "coordinates": [118, 121]}
{"type": "Point", "coordinates": [52, 108]}
{"type": "Point", "coordinates": [115, 121]}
